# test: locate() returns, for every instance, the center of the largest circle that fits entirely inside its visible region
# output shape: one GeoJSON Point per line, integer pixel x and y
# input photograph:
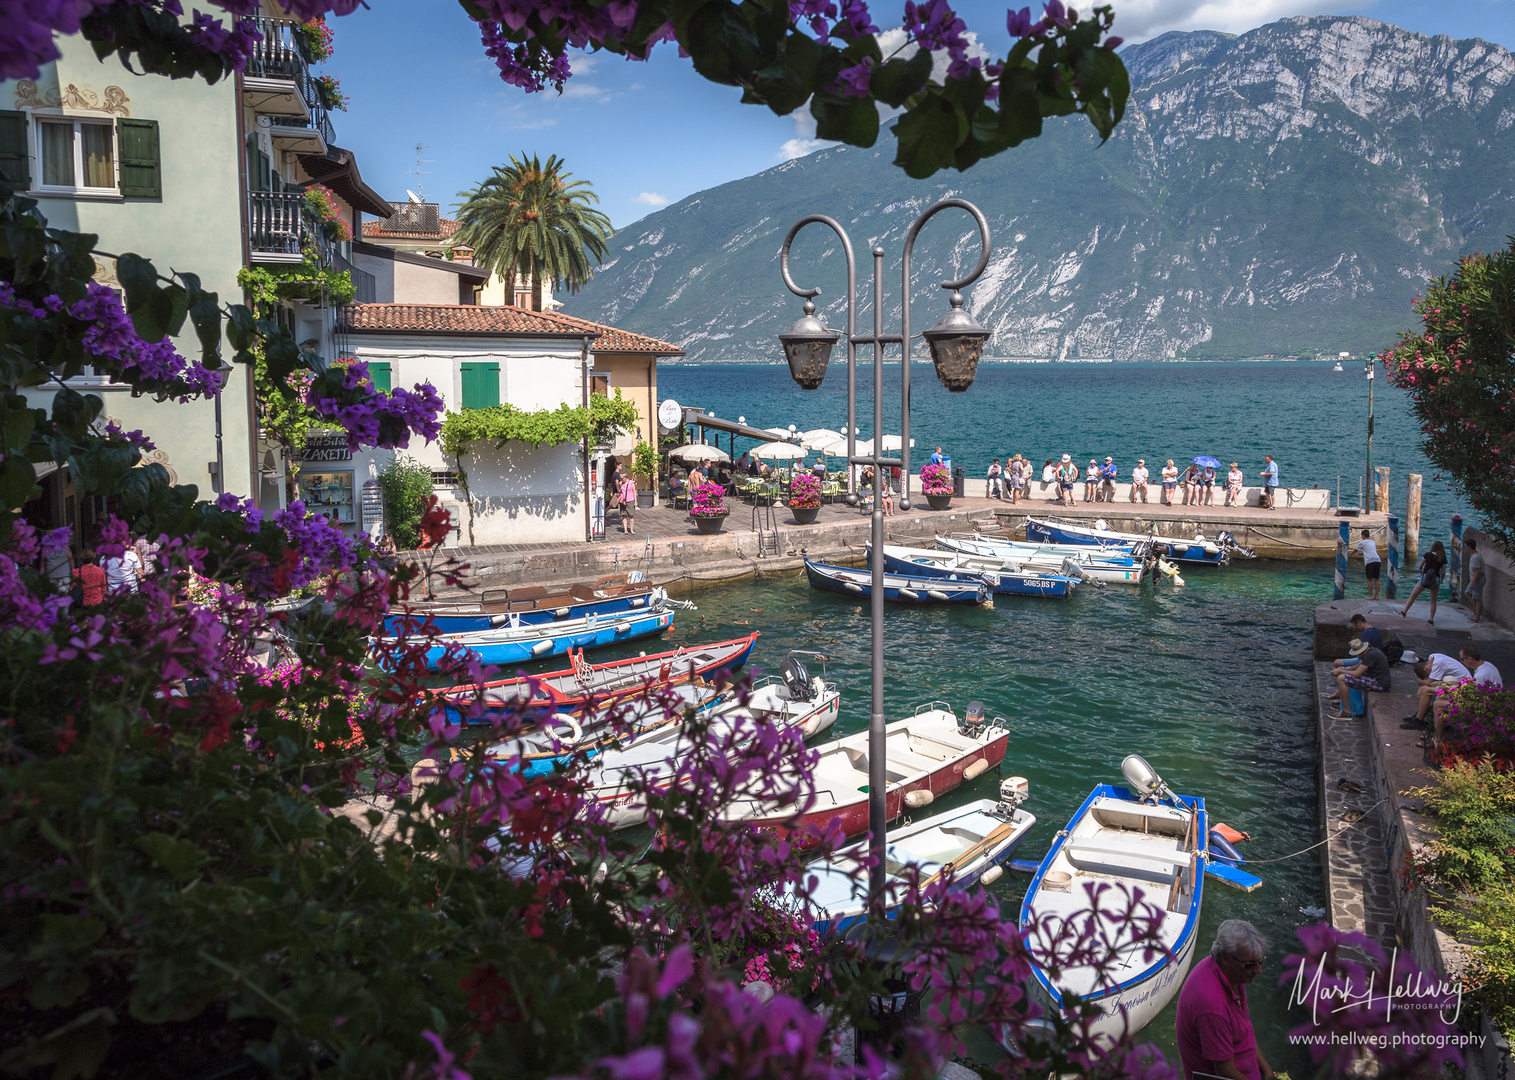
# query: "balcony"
{"type": "Point", "coordinates": [279, 228]}
{"type": "Point", "coordinates": [366, 284]}
{"type": "Point", "coordinates": [277, 85]}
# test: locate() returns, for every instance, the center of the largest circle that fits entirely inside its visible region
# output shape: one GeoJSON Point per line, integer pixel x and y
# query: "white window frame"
{"type": "Point", "coordinates": [75, 117]}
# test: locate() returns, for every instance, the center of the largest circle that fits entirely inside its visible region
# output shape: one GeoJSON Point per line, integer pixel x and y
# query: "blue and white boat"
{"type": "Point", "coordinates": [531, 605]}
{"type": "Point", "coordinates": [924, 562]}
{"type": "Point", "coordinates": [1141, 837]}
{"type": "Point", "coordinates": [517, 644]}
{"type": "Point", "coordinates": [1198, 551]}
{"type": "Point", "coordinates": [975, 840]}
{"type": "Point", "coordinates": [996, 553]}
{"type": "Point", "coordinates": [898, 588]}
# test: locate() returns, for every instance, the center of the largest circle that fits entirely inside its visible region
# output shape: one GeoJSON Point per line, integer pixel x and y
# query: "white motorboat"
{"type": "Point", "coordinates": [794, 698]}
{"type": "Point", "coordinates": [974, 841]}
{"type": "Point", "coordinates": [991, 553]}
{"type": "Point", "coordinates": [1140, 838]}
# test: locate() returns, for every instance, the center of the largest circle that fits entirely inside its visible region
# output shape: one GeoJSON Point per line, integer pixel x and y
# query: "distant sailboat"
{"type": "Point", "coordinates": [1338, 367]}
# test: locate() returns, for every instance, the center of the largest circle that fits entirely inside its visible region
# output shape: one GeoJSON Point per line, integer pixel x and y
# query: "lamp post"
{"type": "Point", "coordinates": [1368, 481]}
{"type": "Point", "coordinates": [956, 342]}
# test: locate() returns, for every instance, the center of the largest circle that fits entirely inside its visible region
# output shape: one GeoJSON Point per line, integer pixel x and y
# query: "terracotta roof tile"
{"type": "Point", "coordinates": [493, 319]}
{"type": "Point", "coordinates": [445, 228]}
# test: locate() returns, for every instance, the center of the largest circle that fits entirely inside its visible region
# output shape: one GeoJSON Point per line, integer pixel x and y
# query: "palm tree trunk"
{"type": "Point", "coordinates": [536, 292]}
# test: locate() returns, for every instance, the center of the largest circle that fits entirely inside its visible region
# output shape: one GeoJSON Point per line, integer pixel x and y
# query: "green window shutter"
{"type": "Point", "coordinates": [481, 385]}
{"type": "Point", "coordinates": [14, 158]}
{"type": "Point", "coordinates": [141, 164]}
{"type": "Point", "coordinates": [380, 373]}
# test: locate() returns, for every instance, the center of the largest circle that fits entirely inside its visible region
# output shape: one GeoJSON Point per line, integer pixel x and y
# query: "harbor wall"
{"type": "Point", "coordinates": [1499, 568]}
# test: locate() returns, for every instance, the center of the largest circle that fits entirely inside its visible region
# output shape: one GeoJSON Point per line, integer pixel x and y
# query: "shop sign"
{"type": "Point", "coordinates": [325, 448]}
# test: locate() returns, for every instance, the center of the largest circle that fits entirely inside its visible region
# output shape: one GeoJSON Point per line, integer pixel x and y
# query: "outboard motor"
{"type": "Point", "coordinates": [1143, 778]}
{"type": "Point", "coordinates": [973, 723]}
{"type": "Point", "coordinates": [1012, 792]}
{"type": "Point", "coordinates": [796, 679]}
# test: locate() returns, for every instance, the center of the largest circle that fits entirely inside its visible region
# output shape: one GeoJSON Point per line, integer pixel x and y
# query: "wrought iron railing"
{"type": "Point", "coordinates": [279, 55]}
{"type": "Point", "coordinates": [278, 223]}
{"type": "Point", "coordinates": [365, 284]}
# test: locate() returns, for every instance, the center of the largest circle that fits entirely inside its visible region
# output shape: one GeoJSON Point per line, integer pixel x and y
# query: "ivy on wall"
{"type": "Point", "coordinates": [603, 418]}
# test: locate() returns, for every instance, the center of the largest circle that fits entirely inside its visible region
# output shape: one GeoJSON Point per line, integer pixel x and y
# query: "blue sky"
{"type": "Point", "coordinates": [647, 134]}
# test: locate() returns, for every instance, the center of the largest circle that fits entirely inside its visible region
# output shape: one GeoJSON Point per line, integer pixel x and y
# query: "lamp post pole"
{"type": "Point", "coordinates": [956, 342]}
{"type": "Point", "coordinates": [1368, 482]}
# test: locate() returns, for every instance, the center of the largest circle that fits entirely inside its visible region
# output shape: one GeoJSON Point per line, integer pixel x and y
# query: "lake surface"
{"type": "Point", "coordinates": [1209, 682]}
{"type": "Point", "coordinates": [1311, 419]}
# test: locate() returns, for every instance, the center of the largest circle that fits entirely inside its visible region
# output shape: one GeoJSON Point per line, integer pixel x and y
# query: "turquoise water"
{"type": "Point", "coordinates": [1209, 682]}
{"type": "Point", "coordinates": [1311, 419]}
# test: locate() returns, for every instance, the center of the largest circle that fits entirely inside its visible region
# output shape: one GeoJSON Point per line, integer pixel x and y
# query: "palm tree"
{"type": "Point", "coordinates": [528, 220]}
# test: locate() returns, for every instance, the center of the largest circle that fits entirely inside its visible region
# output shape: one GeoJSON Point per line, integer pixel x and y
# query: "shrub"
{"type": "Point", "coordinates": [709, 501]}
{"type": "Point", "coordinates": [804, 491]}
{"type": "Point", "coordinates": [1480, 723]}
{"type": "Point", "coordinates": [1472, 805]}
{"type": "Point", "coordinates": [406, 485]}
{"type": "Point", "coordinates": [644, 462]}
{"type": "Point", "coordinates": [1486, 924]}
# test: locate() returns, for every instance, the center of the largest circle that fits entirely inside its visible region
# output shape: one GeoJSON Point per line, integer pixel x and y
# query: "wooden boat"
{"type": "Point", "coordinates": [1113, 568]}
{"type": "Point", "coordinates": [1198, 551]}
{"type": "Point", "coordinates": [1140, 837]}
{"type": "Point", "coordinates": [793, 699]}
{"type": "Point", "coordinates": [927, 755]}
{"type": "Point", "coordinates": [531, 605]}
{"type": "Point", "coordinates": [953, 566]}
{"type": "Point", "coordinates": [575, 688]}
{"type": "Point", "coordinates": [898, 588]}
{"type": "Point", "coordinates": [975, 840]}
{"type": "Point", "coordinates": [517, 644]}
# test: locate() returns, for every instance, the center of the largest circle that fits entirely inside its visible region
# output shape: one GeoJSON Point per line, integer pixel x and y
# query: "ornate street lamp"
{"type": "Point", "coordinates": [956, 342]}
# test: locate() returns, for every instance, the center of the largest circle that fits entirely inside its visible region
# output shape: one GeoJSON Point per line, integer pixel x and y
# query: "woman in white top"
{"type": "Point", "coordinates": [1170, 481]}
{"type": "Point", "coordinates": [1233, 485]}
{"type": "Point", "coordinates": [1091, 481]}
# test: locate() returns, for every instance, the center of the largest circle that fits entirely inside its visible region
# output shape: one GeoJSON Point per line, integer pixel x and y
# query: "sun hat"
{"type": "Point", "coordinates": [1109, 458]}
{"type": "Point", "coordinates": [1092, 461]}
{"type": "Point", "coordinates": [1357, 647]}
{"type": "Point", "coordinates": [1067, 457]}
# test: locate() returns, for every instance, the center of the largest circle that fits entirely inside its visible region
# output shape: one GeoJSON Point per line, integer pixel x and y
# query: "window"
{"type": "Point", "coordinates": [380, 372]}
{"type": "Point", "coordinates": [481, 385]}
{"type": "Point", "coordinates": [599, 384]}
{"type": "Point", "coordinates": [76, 156]}
{"type": "Point", "coordinates": [523, 298]}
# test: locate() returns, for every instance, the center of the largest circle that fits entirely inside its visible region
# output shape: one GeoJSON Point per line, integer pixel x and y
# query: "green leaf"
{"type": "Point", "coordinates": [57, 991]}
{"type": "Point", "coordinates": [895, 82]}
{"type": "Point", "coordinates": [180, 858]}
{"type": "Point", "coordinates": [19, 425]}
{"type": "Point", "coordinates": [18, 482]}
{"type": "Point", "coordinates": [850, 120]}
{"type": "Point", "coordinates": [928, 136]}
{"type": "Point", "coordinates": [74, 1050]}
{"type": "Point", "coordinates": [205, 315]}
{"type": "Point", "coordinates": [721, 43]}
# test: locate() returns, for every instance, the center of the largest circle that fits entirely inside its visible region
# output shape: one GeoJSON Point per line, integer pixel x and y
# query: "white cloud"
{"type": "Point", "coordinates": [652, 198]}
{"type": "Point", "coordinates": [1138, 20]}
{"type": "Point", "coordinates": [804, 141]}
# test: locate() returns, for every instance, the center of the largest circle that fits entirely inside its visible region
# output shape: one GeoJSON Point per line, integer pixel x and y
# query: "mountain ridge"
{"type": "Point", "coordinates": [1282, 190]}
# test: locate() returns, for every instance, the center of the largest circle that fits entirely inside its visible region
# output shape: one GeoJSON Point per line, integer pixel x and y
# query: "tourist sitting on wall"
{"type": "Point", "coordinates": [1107, 475]}
{"type": "Point", "coordinates": [1170, 482]}
{"type": "Point", "coordinates": [1191, 486]}
{"type": "Point", "coordinates": [1435, 673]}
{"type": "Point", "coordinates": [1484, 674]}
{"type": "Point", "coordinates": [1139, 480]}
{"type": "Point", "coordinates": [1234, 480]}
{"type": "Point", "coordinates": [1373, 666]}
{"type": "Point", "coordinates": [1374, 637]}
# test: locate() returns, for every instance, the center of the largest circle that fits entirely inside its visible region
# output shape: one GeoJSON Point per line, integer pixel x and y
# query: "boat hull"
{"type": "Point", "coordinates": [1172, 549]}
{"type": "Point", "coordinates": [519, 647]}
{"type": "Point", "coordinates": [473, 621]}
{"type": "Point", "coordinates": [1114, 570]}
{"type": "Point", "coordinates": [858, 585]}
{"type": "Point", "coordinates": [1003, 582]}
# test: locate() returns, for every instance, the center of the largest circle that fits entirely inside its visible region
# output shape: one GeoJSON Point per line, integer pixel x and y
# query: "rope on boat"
{"type": "Point", "coordinates": [1327, 840]}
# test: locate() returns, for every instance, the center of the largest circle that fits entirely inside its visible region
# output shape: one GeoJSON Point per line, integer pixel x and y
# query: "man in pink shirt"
{"type": "Point", "coordinates": [1215, 1034]}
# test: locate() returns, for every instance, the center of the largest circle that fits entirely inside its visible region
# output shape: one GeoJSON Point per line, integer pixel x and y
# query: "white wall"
{"type": "Point", "coordinates": [520, 494]}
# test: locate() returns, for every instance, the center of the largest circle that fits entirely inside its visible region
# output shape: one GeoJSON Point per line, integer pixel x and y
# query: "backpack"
{"type": "Point", "coordinates": [1393, 650]}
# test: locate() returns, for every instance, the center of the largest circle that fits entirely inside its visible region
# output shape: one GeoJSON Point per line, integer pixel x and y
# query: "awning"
{"type": "Point", "coordinates": [696, 416]}
{"type": "Point", "coordinates": [338, 170]}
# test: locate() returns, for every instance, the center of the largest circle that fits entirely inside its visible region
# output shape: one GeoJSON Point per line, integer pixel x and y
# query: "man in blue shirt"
{"type": "Point", "coordinates": [936, 457]}
{"type": "Point", "coordinates": [1107, 480]}
{"type": "Point", "coordinates": [1270, 483]}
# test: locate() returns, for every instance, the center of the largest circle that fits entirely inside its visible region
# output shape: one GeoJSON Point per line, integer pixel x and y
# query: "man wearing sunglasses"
{"type": "Point", "coordinates": [1215, 1036]}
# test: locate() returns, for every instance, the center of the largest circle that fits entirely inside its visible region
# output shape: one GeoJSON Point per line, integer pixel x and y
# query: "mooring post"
{"type": "Point", "coordinates": [1455, 578]}
{"type": "Point", "coordinates": [1381, 489]}
{"type": "Point", "coordinates": [1412, 520]}
{"type": "Point", "coordinates": [1392, 589]}
{"type": "Point", "coordinates": [1342, 541]}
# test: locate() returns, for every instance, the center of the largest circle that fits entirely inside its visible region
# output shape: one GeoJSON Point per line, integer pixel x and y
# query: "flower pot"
{"type": "Point", "coordinates": [709, 526]}
{"type": "Point", "coordinates": [939, 502]}
{"type": "Point", "coordinates": [644, 498]}
{"type": "Point", "coordinates": [804, 515]}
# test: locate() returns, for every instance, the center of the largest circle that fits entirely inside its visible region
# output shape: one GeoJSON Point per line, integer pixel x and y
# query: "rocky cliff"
{"type": "Point", "coordinates": [1289, 189]}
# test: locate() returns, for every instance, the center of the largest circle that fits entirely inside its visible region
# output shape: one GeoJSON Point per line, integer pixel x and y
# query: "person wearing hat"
{"type": "Point", "coordinates": [1091, 481]}
{"type": "Point", "coordinates": [1107, 480]}
{"type": "Point", "coordinates": [1067, 477]}
{"type": "Point", "coordinates": [1374, 637]}
{"type": "Point", "coordinates": [1139, 480]}
{"type": "Point", "coordinates": [1372, 675]}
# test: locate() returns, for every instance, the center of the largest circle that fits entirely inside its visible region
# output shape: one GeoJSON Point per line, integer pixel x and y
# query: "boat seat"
{"type": "Point", "coordinates": [1091, 853]}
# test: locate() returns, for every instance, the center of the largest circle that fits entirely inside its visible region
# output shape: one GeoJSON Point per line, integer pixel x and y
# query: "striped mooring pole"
{"type": "Point", "coordinates": [1392, 589]}
{"type": "Point", "coordinates": [1455, 571]}
{"type": "Point", "coordinates": [1342, 541]}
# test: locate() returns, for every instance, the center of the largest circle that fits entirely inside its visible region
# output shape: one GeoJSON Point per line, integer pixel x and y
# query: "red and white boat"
{"type": "Point", "coordinates": [574, 689]}
{"type": "Point", "coordinates": [926, 756]}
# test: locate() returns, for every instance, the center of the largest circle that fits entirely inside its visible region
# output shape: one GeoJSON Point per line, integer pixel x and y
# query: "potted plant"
{"type": "Point", "coordinates": [805, 498]}
{"type": "Point", "coordinates": [644, 466]}
{"type": "Point", "coordinates": [321, 203]}
{"type": "Point", "coordinates": [936, 483]}
{"type": "Point", "coordinates": [708, 507]}
{"type": "Point", "coordinates": [329, 90]}
{"type": "Point", "coordinates": [314, 39]}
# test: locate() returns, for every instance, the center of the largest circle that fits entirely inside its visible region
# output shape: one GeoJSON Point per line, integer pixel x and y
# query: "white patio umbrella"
{"type": "Point", "coordinates": [699, 452]}
{"type": "Point", "coordinates": [825, 440]}
{"type": "Point", "coordinates": [778, 451]}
